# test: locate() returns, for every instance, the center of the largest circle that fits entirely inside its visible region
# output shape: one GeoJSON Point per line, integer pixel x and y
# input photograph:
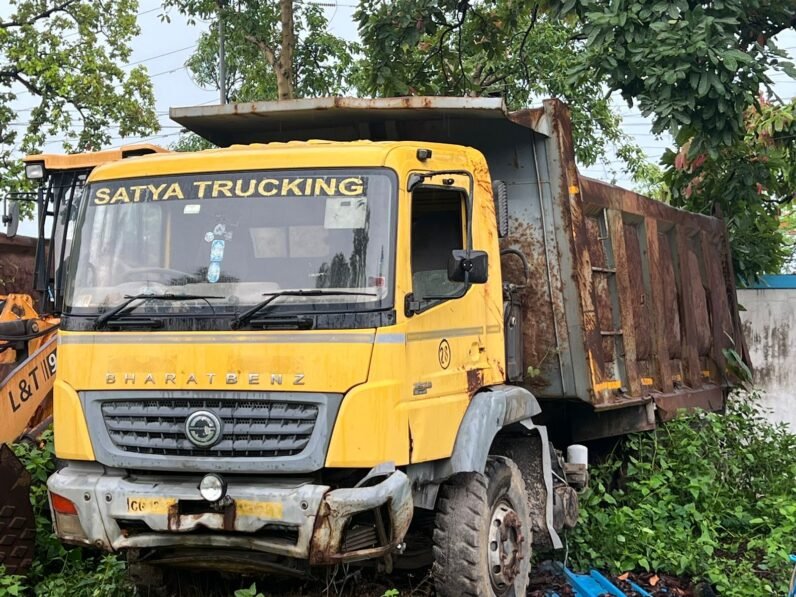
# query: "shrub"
{"type": "Point", "coordinates": [707, 495]}
{"type": "Point", "coordinates": [58, 570]}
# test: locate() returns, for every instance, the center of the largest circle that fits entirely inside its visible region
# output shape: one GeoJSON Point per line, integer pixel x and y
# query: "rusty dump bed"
{"type": "Point", "coordinates": [631, 301]}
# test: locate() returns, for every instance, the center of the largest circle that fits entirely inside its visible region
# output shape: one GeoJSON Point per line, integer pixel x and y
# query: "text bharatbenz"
{"type": "Point", "coordinates": [229, 379]}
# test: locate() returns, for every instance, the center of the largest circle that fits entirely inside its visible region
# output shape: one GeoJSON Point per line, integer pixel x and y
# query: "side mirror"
{"type": "Point", "coordinates": [11, 217]}
{"type": "Point", "coordinates": [501, 197]}
{"type": "Point", "coordinates": [470, 266]}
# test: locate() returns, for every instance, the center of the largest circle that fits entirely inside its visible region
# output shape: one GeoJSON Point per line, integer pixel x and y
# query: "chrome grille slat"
{"type": "Point", "coordinates": [156, 426]}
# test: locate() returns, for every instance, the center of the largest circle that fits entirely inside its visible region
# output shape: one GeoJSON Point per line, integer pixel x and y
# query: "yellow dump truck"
{"type": "Point", "coordinates": [291, 352]}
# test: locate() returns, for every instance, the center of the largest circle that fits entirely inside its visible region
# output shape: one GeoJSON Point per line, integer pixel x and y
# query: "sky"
{"type": "Point", "coordinates": [164, 47]}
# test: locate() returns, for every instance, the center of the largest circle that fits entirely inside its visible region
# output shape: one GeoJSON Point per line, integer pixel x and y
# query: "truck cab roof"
{"type": "Point", "coordinates": [313, 153]}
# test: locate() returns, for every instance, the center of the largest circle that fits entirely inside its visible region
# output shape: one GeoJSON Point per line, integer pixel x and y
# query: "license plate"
{"type": "Point", "coordinates": [270, 510]}
{"type": "Point", "coordinates": [149, 505]}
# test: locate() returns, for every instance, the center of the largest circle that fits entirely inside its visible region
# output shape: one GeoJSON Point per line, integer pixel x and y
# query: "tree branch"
{"type": "Point", "coordinates": [266, 50]}
{"type": "Point", "coordinates": [460, 26]}
{"type": "Point", "coordinates": [16, 75]}
{"type": "Point", "coordinates": [534, 16]}
{"type": "Point", "coordinates": [42, 15]}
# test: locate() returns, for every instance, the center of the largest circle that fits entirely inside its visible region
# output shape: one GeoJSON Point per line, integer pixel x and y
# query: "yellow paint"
{"type": "Point", "coordinates": [574, 190]}
{"type": "Point", "coordinates": [271, 510]}
{"type": "Point", "coordinates": [611, 384]}
{"type": "Point", "coordinates": [90, 159]}
{"type": "Point", "coordinates": [647, 381]}
{"type": "Point", "coordinates": [72, 440]}
{"type": "Point", "coordinates": [597, 387]}
{"type": "Point", "coordinates": [706, 373]}
{"type": "Point", "coordinates": [149, 505]}
{"type": "Point", "coordinates": [383, 416]}
{"type": "Point", "coordinates": [26, 385]}
{"type": "Point", "coordinates": [214, 361]}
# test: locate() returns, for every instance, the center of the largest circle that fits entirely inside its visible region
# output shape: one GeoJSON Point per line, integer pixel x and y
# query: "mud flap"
{"type": "Point", "coordinates": [17, 523]}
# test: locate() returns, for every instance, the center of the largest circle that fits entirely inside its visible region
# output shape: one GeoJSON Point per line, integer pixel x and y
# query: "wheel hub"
{"type": "Point", "coordinates": [506, 550]}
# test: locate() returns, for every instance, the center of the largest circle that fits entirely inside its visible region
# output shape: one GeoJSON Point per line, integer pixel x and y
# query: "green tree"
{"type": "Point", "coordinates": [275, 49]}
{"type": "Point", "coordinates": [61, 75]}
{"type": "Point", "coordinates": [510, 48]}
{"type": "Point", "coordinates": [750, 182]}
{"type": "Point", "coordinates": [696, 68]}
{"type": "Point", "coordinates": [693, 67]}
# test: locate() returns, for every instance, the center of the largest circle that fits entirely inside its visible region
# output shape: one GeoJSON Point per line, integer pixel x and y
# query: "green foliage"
{"type": "Point", "coordinates": [60, 571]}
{"type": "Point", "coordinates": [249, 592]}
{"type": "Point", "coordinates": [748, 182]}
{"type": "Point", "coordinates": [63, 61]}
{"type": "Point", "coordinates": [707, 495]}
{"type": "Point", "coordinates": [509, 48]}
{"type": "Point", "coordinates": [191, 142]}
{"type": "Point", "coordinates": [693, 67]}
{"type": "Point", "coordinates": [322, 63]}
{"type": "Point", "coordinates": [11, 585]}
{"type": "Point", "coordinates": [696, 69]}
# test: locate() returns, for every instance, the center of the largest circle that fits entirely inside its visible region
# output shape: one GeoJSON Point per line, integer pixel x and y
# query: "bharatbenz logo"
{"type": "Point", "coordinates": [229, 379]}
{"type": "Point", "coordinates": [203, 428]}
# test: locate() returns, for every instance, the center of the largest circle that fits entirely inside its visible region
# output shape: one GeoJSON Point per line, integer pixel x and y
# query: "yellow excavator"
{"type": "Point", "coordinates": [28, 329]}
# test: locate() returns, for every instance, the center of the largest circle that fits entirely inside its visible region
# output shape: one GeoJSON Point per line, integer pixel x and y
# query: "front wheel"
{"type": "Point", "coordinates": [482, 533]}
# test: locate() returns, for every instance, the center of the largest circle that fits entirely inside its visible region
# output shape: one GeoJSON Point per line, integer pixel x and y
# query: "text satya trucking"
{"type": "Point", "coordinates": [353, 360]}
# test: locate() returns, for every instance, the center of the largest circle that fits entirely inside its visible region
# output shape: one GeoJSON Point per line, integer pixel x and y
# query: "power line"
{"type": "Point", "coordinates": [160, 55]}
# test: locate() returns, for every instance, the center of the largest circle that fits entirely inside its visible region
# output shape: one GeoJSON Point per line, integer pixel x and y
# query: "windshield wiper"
{"type": "Point", "coordinates": [246, 316]}
{"type": "Point", "coordinates": [129, 298]}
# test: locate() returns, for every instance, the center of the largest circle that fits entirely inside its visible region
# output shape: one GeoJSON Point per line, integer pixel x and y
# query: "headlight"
{"type": "Point", "coordinates": [212, 488]}
{"type": "Point", "coordinates": [34, 171]}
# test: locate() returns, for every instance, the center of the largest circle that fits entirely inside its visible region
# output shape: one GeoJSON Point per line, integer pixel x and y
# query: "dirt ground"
{"type": "Point", "coordinates": [359, 582]}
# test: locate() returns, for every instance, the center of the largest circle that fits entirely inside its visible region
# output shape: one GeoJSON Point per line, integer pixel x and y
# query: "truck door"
{"type": "Point", "coordinates": [445, 334]}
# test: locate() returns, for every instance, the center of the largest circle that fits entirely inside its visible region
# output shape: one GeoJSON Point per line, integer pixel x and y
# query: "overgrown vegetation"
{"type": "Point", "coordinates": [709, 496]}
{"type": "Point", "coordinates": [60, 571]}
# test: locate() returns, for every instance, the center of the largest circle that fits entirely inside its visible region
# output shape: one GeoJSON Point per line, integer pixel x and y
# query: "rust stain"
{"type": "Point", "coordinates": [538, 328]}
{"type": "Point", "coordinates": [174, 517]}
{"type": "Point", "coordinates": [501, 370]}
{"type": "Point", "coordinates": [322, 550]}
{"type": "Point", "coordinates": [529, 118]}
{"type": "Point", "coordinates": [639, 300]}
{"type": "Point", "coordinates": [475, 381]}
{"type": "Point", "coordinates": [17, 265]}
{"type": "Point", "coordinates": [670, 303]}
{"type": "Point", "coordinates": [230, 514]}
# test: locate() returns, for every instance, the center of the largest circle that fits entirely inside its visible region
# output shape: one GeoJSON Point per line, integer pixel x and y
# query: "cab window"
{"type": "Point", "coordinates": [437, 229]}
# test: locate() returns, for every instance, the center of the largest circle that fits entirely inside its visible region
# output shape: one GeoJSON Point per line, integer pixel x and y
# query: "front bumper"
{"type": "Point", "coordinates": [283, 517]}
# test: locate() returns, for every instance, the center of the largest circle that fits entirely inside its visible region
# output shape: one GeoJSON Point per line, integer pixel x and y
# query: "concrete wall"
{"type": "Point", "coordinates": [769, 324]}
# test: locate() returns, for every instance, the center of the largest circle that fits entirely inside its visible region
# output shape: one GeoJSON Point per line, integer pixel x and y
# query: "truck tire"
{"type": "Point", "coordinates": [482, 533]}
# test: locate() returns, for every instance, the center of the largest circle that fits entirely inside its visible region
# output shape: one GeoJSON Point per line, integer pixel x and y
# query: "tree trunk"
{"type": "Point", "coordinates": [284, 66]}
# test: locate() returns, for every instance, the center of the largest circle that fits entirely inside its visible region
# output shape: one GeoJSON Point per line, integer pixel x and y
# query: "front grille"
{"type": "Point", "coordinates": [251, 428]}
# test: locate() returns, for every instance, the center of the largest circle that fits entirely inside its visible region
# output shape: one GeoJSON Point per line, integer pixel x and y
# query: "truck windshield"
{"type": "Point", "coordinates": [236, 236]}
